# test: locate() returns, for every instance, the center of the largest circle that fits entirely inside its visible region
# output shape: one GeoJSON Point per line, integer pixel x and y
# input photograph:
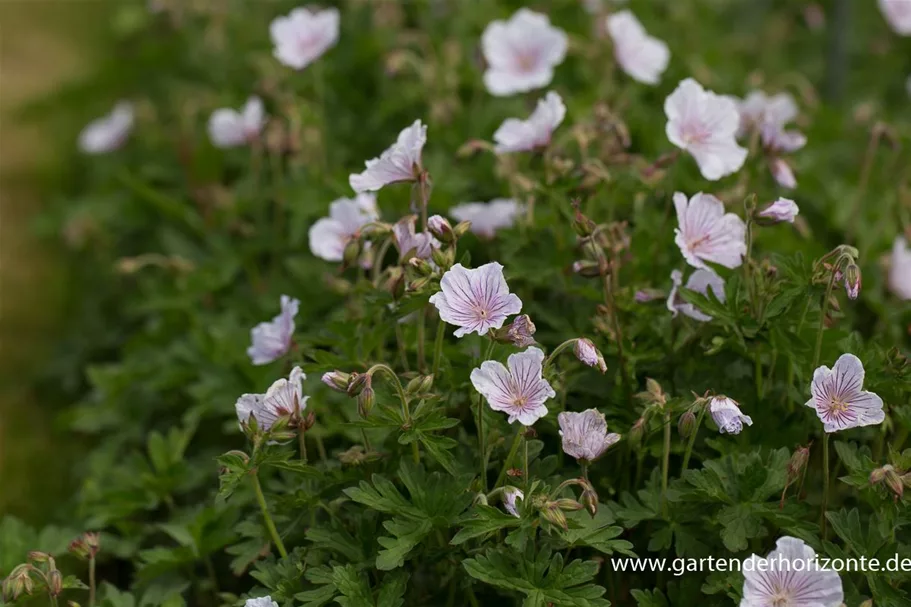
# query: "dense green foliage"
{"type": "Point", "coordinates": [180, 248]}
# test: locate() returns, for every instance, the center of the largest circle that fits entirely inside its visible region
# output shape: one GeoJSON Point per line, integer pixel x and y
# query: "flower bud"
{"type": "Point", "coordinates": [797, 463]}
{"type": "Point", "coordinates": [421, 266]}
{"type": "Point", "coordinates": [687, 424]}
{"type": "Point", "coordinates": [354, 456]}
{"type": "Point", "coordinates": [553, 515]}
{"type": "Point", "coordinates": [461, 228]}
{"type": "Point", "coordinates": [352, 252]}
{"type": "Point", "coordinates": [337, 380]}
{"type": "Point", "coordinates": [568, 505]}
{"type": "Point", "coordinates": [520, 333]}
{"type": "Point", "coordinates": [418, 284]}
{"type": "Point", "coordinates": [419, 385]}
{"type": "Point", "coordinates": [309, 421]}
{"type": "Point", "coordinates": [589, 498]}
{"type": "Point", "coordinates": [365, 401]}
{"type": "Point", "coordinates": [443, 257]}
{"type": "Point", "coordinates": [18, 583]}
{"type": "Point", "coordinates": [587, 267]}
{"type": "Point", "coordinates": [894, 482]}
{"type": "Point", "coordinates": [586, 351]}
{"type": "Point", "coordinates": [357, 383]}
{"type": "Point", "coordinates": [441, 229]}
{"type": "Point", "coordinates": [583, 226]}
{"type": "Point", "coordinates": [782, 209]}
{"type": "Point", "coordinates": [395, 282]}
{"type": "Point", "coordinates": [637, 431]}
{"type": "Point", "coordinates": [646, 295]}
{"type": "Point", "coordinates": [852, 280]}
{"type": "Point", "coordinates": [38, 557]}
{"type": "Point", "coordinates": [54, 582]}
{"type": "Point", "coordinates": [879, 474]}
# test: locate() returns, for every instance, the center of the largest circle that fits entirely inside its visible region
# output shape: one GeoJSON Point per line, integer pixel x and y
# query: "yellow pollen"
{"type": "Point", "coordinates": [837, 406]}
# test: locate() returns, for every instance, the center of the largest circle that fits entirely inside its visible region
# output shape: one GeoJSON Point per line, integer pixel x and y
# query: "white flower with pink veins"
{"type": "Point", "coordinates": [790, 576]}
{"type": "Point", "coordinates": [517, 389]}
{"type": "Point", "coordinates": [521, 53]}
{"type": "Point", "coordinates": [475, 300]}
{"type": "Point", "coordinates": [705, 233]}
{"type": "Point", "coordinates": [839, 398]}
{"type": "Point", "coordinates": [705, 125]}
{"type": "Point", "coordinates": [329, 235]}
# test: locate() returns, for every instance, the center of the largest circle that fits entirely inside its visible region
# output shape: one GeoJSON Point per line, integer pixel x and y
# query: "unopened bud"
{"type": "Point", "coordinates": [337, 380]}
{"type": "Point", "coordinates": [798, 462]}
{"type": "Point", "coordinates": [587, 268]}
{"type": "Point", "coordinates": [441, 228]}
{"type": "Point", "coordinates": [554, 515]}
{"type": "Point", "coordinates": [590, 499]}
{"type": "Point", "coordinates": [309, 421]}
{"type": "Point", "coordinates": [586, 352]}
{"type": "Point", "coordinates": [38, 557]}
{"type": "Point", "coordinates": [395, 282]}
{"type": "Point", "coordinates": [686, 424]}
{"type": "Point", "coordinates": [461, 228]}
{"type": "Point", "coordinates": [365, 401]}
{"type": "Point", "coordinates": [419, 284]}
{"type": "Point", "coordinates": [520, 333]}
{"type": "Point", "coordinates": [421, 266]}
{"type": "Point", "coordinates": [352, 252]}
{"type": "Point", "coordinates": [568, 505]}
{"type": "Point", "coordinates": [879, 474]}
{"type": "Point", "coordinates": [894, 482]}
{"type": "Point", "coordinates": [354, 456]}
{"type": "Point", "coordinates": [18, 583]}
{"type": "Point", "coordinates": [443, 257]}
{"type": "Point", "coordinates": [54, 582]}
{"type": "Point", "coordinates": [357, 383]}
{"type": "Point", "coordinates": [852, 280]}
{"type": "Point", "coordinates": [655, 390]}
{"type": "Point", "coordinates": [581, 224]}
{"type": "Point", "coordinates": [637, 431]}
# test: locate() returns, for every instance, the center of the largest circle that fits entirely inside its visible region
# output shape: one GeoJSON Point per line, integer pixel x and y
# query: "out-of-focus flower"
{"type": "Point", "coordinates": [488, 217]}
{"type": "Point", "coordinates": [585, 435]}
{"type": "Point", "coordinates": [107, 133]}
{"type": "Point", "coordinates": [265, 601]}
{"type": "Point", "coordinates": [839, 398]}
{"type": "Point", "coordinates": [302, 36]}
{"type": "Point", "coordinates": [782, 173]}
{"type": "Point", "coordinates": [510, 495]}
{"type": "Point", "coordinates": [900, 269]}
{"type": "Point", "coordinates": [782, 209]}
{"type": "Point", "coordinates": [705, 233]}
{"type": "Point", "coordinates": [790, 576]}
{"type": "Point", "coordinates": [700, 281]}
{"type": "Point", "coordinates": [643, 57]}
{"type": "Point", "coordinates": [399, 162]}
{"type": "Point", "coordinates": [272, 340]}
{"type": "Point", "coordinates": [411, 243]}
{"type": "Point", "coordinates": [475, 300]}
{"type": "Point", "coordinates": [898, 14]}
{"type": "Point", "coordinates": [521, 53]}
{"type": "Point", "coordinates": [516, 135]}
{"type": "Point", "coordinates": [705, 125]}
{"type": "Point", "coordinates": [586, 352]}
{"type": "Point", "coordinates": [758, 109]}
{"type": "Point", "coordinates": [285, 397]}
{"type": "Point", "coordinates": [519, 390]}
{"type": "Point", "coordinates": [230, 128]}
{"type": "Point", "coordinates": [330, 235]}
{"type": "Point", "coordinates": [727, 415]}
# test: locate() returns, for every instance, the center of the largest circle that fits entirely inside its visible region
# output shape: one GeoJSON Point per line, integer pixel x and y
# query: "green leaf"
{"type": "Point", "coordinates": [353, 587]}
{"type": "Point", "coordinates": [234, 469]}
{"type": "Point", "coordinates": [739, 524]}
{"type": "Point", "coordinates": [597, 532]}
{"type": "Point", "coordinates": [650, 598]}
{"type": "Point", "coordinates": [485, 519]}
{"type": "Point", "coordinates": [392, 590]}
{"type": "Point", "coordinates": [406, 535]}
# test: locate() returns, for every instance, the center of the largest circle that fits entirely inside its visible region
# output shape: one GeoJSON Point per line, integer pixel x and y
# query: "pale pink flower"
{"type": "Point", "coordinates": [488, 217]}
{"type": "Point", "coordinates": [303, 36]}
{"type": "Point", "coordinates": [516, 135]}
{"type": "Point", "coordinates": [329, 235]}
{"type": "Point", "coordinates": [410, 243]}
{"type": "Point", "coordinates": [790, 576]}
{"type": "Point", "coordinates": [272, 340]}
{"type": "Point", "coordinates": [898, 14]}
{"type": "Point", "coordinates": [643, 57]}
{"type": "Point", "coordinates": [519, 391]}
{"type": "Point", "coordinates": [839, 398]}
{"type": "Point", "coordinates": [585, 434]}
{"type": "Point", "coordinates": [900, 269]}
{"type": "Point", "coordinates": [776, 140]}
{"type": "Point", "coordinates": [705, 125]}
{"type": "Point", "coordinates": [107, 133]}
{"type": "Point", "coordinates": [705, 233]}
{"type": "Point", "coordinates": [586, 352]}
{"type": "Point", "coordinates": [782, 209]}
{"type": "Point", "coordinates": [230, 128]}
{"type": "Point", "coordinates": [758, 109]}
{"type": "Point", "coordinates": [727, 416]}
{"type": "Point", "coordinates": [510, 496]}
{"type": "Point", "coordinates": [265, 601]}
{"type": "Point", "coordinates": [400, 162]}
{"type": "Point", "coordinates": [475, 300]}
{"type": "Point", "coordinates": [521, 53]}
{"type": "Point", "coordinates": [521, 333]}
{"type": "Point", "coordinates": [700, 281]}
{"type": "Point", "coordinates": [285, 397]}
{"type": "Point", "coordinates": [440, 228]}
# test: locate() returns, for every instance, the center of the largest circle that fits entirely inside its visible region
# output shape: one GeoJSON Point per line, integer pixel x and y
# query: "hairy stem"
{"type": "Point", "coordinates": [438, 348]}
{"type": "Point", "coordinates": [666, 461]}
{"type": "Point", "coordinates": [553, 355]}
{"type": "Point", "coordinates": [825, 485]}
{"type": "Point", "coordinates": [267, 518]}
{"type": "Point", "coordinates": [507, 463]}
{"type": "Point", "coordinates": [822, 321]}
{"type": "Point", "coordinates": [92, 581]}
{"type": "Point", "coordinates": [692, 441]}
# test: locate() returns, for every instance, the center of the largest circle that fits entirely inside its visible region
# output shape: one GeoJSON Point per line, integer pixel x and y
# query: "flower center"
{"type": "Point", "coordinates": [696, 133]}
{"type": "Point", "coordinates": [837, 406]}
{"type": "Point", "coordinates": [520, 401]}
{"type": "Point", "coordinates": [781, 598]}
{"type": "Point", "coordinates": [527, 61]}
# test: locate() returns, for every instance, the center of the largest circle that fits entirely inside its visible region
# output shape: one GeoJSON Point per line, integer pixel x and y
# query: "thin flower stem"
{"type": "Point", "coordinates": [584, 465]}
{"type": "Point", "coordinates": [366, 440]}
{"type": "Point", "coordinates": [482, 440]}
{"type": "Point", "coordinates": [421, 323]}
{"type": "Point", "coordinates": [525, 469]}
{"type": "Point", "coordinates": [553, 355]}
{"type": "Point", "coordinates": [618, 332]}
{"type": "Point", "coordinates": [825, 485]}
{"type": "Point", "coordinates": [400, 342]}
{"type": "Point", "coordinates": [267, 518]}
{"type": "Point", "coordinates": [822, 321]}
{"type": "Point", "coordinates": [438, 348]}
{"type": "Point", "coordinates": [92, 581]}
{"type": "Point", "coordinates": [666, 462]}
{"type": "Point", "coordinates": [378, 261]}
{"type": "Point", "coordinates": [54, 602]}
{"type": "Point", "coordinates": [321, 448]}
{"type": "Point", "coordinates": [692, 441]}
{"type": "Point", "coordinates": [507, 463]}
{"type": "Point", "coordinates": [302, 443]}
{"type": "Point", "coordinates": [400, 391]}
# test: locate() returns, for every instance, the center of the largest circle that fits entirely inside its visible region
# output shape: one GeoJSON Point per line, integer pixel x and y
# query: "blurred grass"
{"type": "Point", "coordinates": [42, 45]}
